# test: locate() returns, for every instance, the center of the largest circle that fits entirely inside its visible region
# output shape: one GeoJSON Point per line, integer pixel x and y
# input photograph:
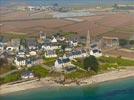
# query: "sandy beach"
{"type": "Point", "coordinates": [49, 82]}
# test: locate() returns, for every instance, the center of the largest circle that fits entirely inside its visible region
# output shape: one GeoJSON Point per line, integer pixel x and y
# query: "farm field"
{"type": "Point", "coordinates": [115, 24]}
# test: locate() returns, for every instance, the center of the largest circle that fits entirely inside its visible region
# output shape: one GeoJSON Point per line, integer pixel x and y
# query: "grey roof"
{"type": "Point", "coordinates": [1, 45]}
{"type": "Point", "coordinates": [20, 58]}
{"type": "Point", "coordinates": [3, 39]}
{"type": "Point", "coordinates": [41, 33]}
{"type": "Point", "coordinates": [68, 69]}
{"type": "Point", "coordinates": [15, 42]}
{"type": "Point", "coordinates": [96, 50]}
{"type": "Point", "coordinates": [27, 73]}
{"type": "Point", "coordinates": [47, 41]}
{"type": "Point", "coordinates": [93, 45]}
{"type": "Point", "coordinates": [32, 42]}
{"type": "Point", "coordinates": [63, 60]}
{"type": "Point", "coordinates": [73, 53]}
{"type": "Point", "coordinates": [51, 52]}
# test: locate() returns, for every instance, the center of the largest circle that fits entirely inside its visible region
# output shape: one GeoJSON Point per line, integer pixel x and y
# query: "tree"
{"type": "Point", "coordinates": [3, 61]}
{"type": "Point", "coordinates": [131, 42]}
{"type": "Point", "coordinates": [123, 42]}
{"type": "Point", "coordinates": [63, 46]}
{"type": "Point", "coordinates": [91, 63]}
{"type": "Point", "coordinates": [115, 5]}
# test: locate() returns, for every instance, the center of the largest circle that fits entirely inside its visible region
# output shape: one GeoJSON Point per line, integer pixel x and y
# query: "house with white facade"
{"type": "Point", "coordinates": [50, 47]}
{"type": "Point", "coordinates": [4, 41]}
{"type": "Point", "coordinates": [32, 44]}
{"type": "Point", "coordinates": [50, 44]}
{"type": "Point", "coordinates": [60, 63]}
{"type": "Point", "coordinates": [68, 49]}
{"type": "Point", "coordinates": [27, 75]}
{"type": "Point", "coordinates": [54, 40]}
{"type": "Point", "coordinates": [13, 45]}
{"type": "Point", "coordinates": [32, 53]}
{"type": "Point", "coordinates": [73, 43]}
{"type": "Point", "coordinates": [20, 61]}
{"type": "Point", "coordinates": [96, 52]}
{"type": "Point", "coordinates": [1, 47]}
{"type": "Point", "coordinates": [50, 54]}
{"type": "Point", "coordinates": [77, 54]}
{"type": "Point", "coordinates": [62, 38]}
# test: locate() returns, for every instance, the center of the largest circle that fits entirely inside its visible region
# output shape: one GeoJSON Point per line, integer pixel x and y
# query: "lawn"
{"type": "Point", "coordinates": [10, 78]}
{"type": "Point", "coordinates": [7, 68]}
{"type": "Point", "coordinates": [49, 61]}
{"type": "Point", "coordinates": [78, 63]}
{"type": "Point", "coordinates": [79, 74]}
{"type": "Point", "coordinates": [108, 63]}
{"type": "Point", "coordinates": [118, 61]}
{"type": "Point", "coordinates": [39, 71]}
{"type": "Point", "coordinates": [59, 53]}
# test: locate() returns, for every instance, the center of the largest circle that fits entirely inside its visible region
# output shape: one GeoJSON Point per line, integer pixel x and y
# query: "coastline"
{"type": "Point", "coordinates": [48, 82]}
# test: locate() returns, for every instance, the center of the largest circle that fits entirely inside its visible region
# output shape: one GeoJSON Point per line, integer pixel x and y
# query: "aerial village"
{"type": "Point", "coordinates": [60, 52]}
{"type": "Point", "coordinates": [63, 49]}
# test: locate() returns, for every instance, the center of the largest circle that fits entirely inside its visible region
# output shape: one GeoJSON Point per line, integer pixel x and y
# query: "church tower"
{"type": "Point", "coordinates": [88, 45]}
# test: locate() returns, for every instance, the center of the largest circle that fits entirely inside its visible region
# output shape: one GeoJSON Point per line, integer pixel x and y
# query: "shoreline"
{"type": "Point", "coordinates": [49, 83]}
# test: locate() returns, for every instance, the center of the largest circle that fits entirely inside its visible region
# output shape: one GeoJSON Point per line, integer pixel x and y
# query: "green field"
{"type": "Point", "coordinates": [39, 71]}
{"type": "Point", "coordinates": [49, 61]}
{"type": "Point", "coordinates": [79, 74]}
{"type": "Point", "coordinates": [11, 78]}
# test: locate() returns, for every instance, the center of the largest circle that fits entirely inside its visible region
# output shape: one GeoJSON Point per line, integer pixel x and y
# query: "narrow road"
{"type": "Point", "coordinates": [8, 73]}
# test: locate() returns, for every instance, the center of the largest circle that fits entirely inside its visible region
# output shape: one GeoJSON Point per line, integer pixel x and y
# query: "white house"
{"type": "Point", "coordinates": [61, 63]}
{"type": "Point", "coordinates": [74, 43]}
{"type": "Point", "coordinates": [77, 54]}
{"type": "Point", "coordinates": [9, 48]}
{"type": "Point", "coordinates": [4, 41]}
{"type": "Point", "coordinates": [20, 61]}
{"type": "Point", "coordinates": [21, 54]}
{"type": "Point", "coordinates": [68, 49]}
{"type": "Point", "coordinates": [96, 52]}
{"type": "Point", "coordinates": [13, 45]}
{"type": "Point", "coordinates": [94, 46]}
{"type": "Point", "coordinates": [62, 38]}
{"type": "Point", "coordinates": [54, 40]}
{"type": "Point", "coordinates": [31, 8]}
{"type": "Point", "coordinates": [27, 75]}
{"type": "Point", "coordinates": [29, 60]}
{"type": "Point", "coordinates": [50, 54]}
{"type": "Point", "coordinates": [1, 47]}
{"type": "Point", "coordinates": [32, 53]}
{"type": "Point", "coordinates": [50, 47]}
{"type": "Point", "coordinates": [32, 44]}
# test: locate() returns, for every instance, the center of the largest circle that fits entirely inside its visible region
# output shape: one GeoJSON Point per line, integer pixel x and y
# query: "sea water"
{"type": "Point", "coordinates": [65, 2]}
{"type": "Point", "coordinates": [114, 90]}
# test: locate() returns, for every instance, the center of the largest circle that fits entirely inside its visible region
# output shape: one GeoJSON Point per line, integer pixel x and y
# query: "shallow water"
{"type": "Point", "coordinates": [114, 90]}
{"type": "Point", "coordinates": [65, 2]}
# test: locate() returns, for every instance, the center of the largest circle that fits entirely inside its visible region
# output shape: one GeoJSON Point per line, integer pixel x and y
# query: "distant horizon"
{"type": "Point", "coordinates": [63, 2]}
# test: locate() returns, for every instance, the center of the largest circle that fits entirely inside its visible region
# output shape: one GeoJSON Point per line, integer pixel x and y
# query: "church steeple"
{"type": "Point", "coordinates": [88, 46]}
